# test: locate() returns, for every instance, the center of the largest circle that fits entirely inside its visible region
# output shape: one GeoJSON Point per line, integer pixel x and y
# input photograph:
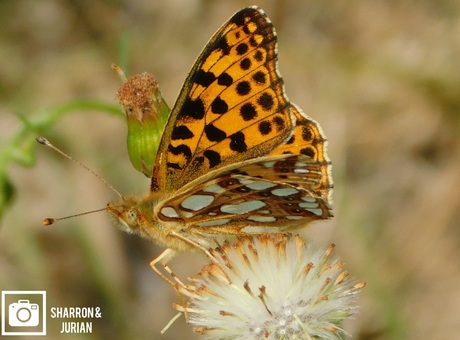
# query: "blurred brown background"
{"type": "Point", "coordinates": [381, 77]}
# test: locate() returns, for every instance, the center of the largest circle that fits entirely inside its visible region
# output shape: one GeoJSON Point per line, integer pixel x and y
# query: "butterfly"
{"type": "Point", "coordinates": [235, 157]}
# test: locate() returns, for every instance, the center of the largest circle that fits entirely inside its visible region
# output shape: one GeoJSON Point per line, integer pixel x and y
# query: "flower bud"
{"type": "Point", "coordinates": [146, 113]}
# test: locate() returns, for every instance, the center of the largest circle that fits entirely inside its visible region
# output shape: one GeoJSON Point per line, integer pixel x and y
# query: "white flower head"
{"type": "Point", "coordinates": [272, 286]}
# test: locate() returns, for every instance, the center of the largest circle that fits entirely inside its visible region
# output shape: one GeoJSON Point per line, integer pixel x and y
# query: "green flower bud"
{"type": "Point", "coordinates": [146, 113]}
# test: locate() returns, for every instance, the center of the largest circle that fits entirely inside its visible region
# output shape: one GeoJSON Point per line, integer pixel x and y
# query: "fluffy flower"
{"type": "Point", "coordinates": [270, 287]}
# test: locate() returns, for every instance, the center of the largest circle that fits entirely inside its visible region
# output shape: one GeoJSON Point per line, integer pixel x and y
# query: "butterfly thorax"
{"type": "Point", "coordinates": [136, 216]}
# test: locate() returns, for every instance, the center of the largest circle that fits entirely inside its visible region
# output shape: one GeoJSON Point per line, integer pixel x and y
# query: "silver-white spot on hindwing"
{"type": "Point", "coordinates": [187, 214]}
{"type": "Point", "coordinates": [214, 188]}
{"type": "Point", "coordinates": [169, 212]}
{"type": "Point", "coordinates": [300, 164]}
{"type": "Point", "coordinates": [282, 192]}
{"type": "Point", "coordinates": [311, 205]}
{"type": "Point", "coordinates": [309, 199]}
{"type": "Point", "coordinates": [308, 206]}
{"type": "Point", "coordinates": [317, 212]}
{"type": "Point", "coordinates": [256, 230]}
{"type": "Point", "coordinates": [264, 212]}
{"type": "Point", "coordinates": [197, 202]}
{"type": "Point", "coordinates": [294, 218]}
{"type": "Point", "coordinates": [269, 165]}
{"type": "Point", "coordinates": [260, 185]}
{"type": "Point", "coordinates": [242, 208]}
{"type": "Point", "coordinates": [301, 171]}
{"type": "Point", "coordinates": [213, 223]}
{"type": "Point", "coordinates": [262, 219]}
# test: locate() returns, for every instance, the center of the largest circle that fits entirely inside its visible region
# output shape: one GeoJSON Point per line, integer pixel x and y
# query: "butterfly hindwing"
{"type": "Point", "coordinates": [268, 192]}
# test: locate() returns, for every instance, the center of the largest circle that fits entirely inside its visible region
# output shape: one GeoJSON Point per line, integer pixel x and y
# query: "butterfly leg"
{"type": "Point", "coordinates": [206, 251]}
{"type": "Point", "coordinates": [164, 258]}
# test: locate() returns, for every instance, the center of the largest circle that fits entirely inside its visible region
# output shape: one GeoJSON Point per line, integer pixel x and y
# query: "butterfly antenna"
{"type": "Point", "coordinates": [50, 221]}
{"type": "Point", "coordinates": [44, 141]}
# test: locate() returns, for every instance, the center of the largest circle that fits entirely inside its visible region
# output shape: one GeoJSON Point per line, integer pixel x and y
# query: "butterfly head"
{"type": "Point", "coordinates": [130, 215]}
{"type": "Point", "coordinates": [136, 216]}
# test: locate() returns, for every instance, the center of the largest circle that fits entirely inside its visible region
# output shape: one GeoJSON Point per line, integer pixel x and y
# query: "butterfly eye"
{"type": "Point", "coordinates": [132, 218]}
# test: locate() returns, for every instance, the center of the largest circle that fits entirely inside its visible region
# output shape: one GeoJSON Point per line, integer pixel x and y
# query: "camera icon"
{"type": "Point", "coordinates": [24, 314]}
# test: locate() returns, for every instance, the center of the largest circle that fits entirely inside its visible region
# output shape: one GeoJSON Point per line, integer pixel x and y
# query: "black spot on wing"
{"type": "Point", "coordinates": [213, 157]}
{"type": "Point", "coordinates": [192, 109]}
{"type": "Point", "coordinates": [219, 106]}
{"type": "Point", "coordinates": [204, 78]}
{"type": "Point", "coordinates": [253, 42]}
{"type": "Point", "coordinates": [225, 79]}
{"type": "Point", "coordinates": [280, 123]}
{"type": "Point", "coordinates": [214, 134]}
{"type": "Point", "coordinates": [243, 88]}
{"type": "Point", "coordinates": [248, 112]}
{"type": "Point", "coordinates": [171, 165]}
{"type": "Point", "coordinates": [310, 152]}
{"type": "Point", "coordinates": [259, 77]}
{"type": "Point", "coordinates": [265, 128]}
{"type": "Point", "coordinates": [259, 56]}
{"type": "Point", "coordinates": [306, 134]}
{"type": "Point", "coordinates": [180, 149]}
{"type": "Point", "coordinates": [237, 142]}
{"type": "Point", "coordinates": [245, 64]}
{"type": "Point", "coordinates": [266, 101]}
{"type": "Point", "coordinates": [242, 49]}
{"type": "Point", "coordinates": [181, 132]}
{"type": "Point", "coordinates": [222, 45]}
{"type": "Point", "coordinates": [238, 18]}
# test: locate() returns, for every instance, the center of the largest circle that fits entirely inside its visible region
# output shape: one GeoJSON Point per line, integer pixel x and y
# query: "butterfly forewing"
{"type": "Point", "coordinates": [232, 106]}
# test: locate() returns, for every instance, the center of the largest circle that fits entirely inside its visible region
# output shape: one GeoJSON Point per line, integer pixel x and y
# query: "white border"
{"type": "Point", "coordinates": [31, 292]}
